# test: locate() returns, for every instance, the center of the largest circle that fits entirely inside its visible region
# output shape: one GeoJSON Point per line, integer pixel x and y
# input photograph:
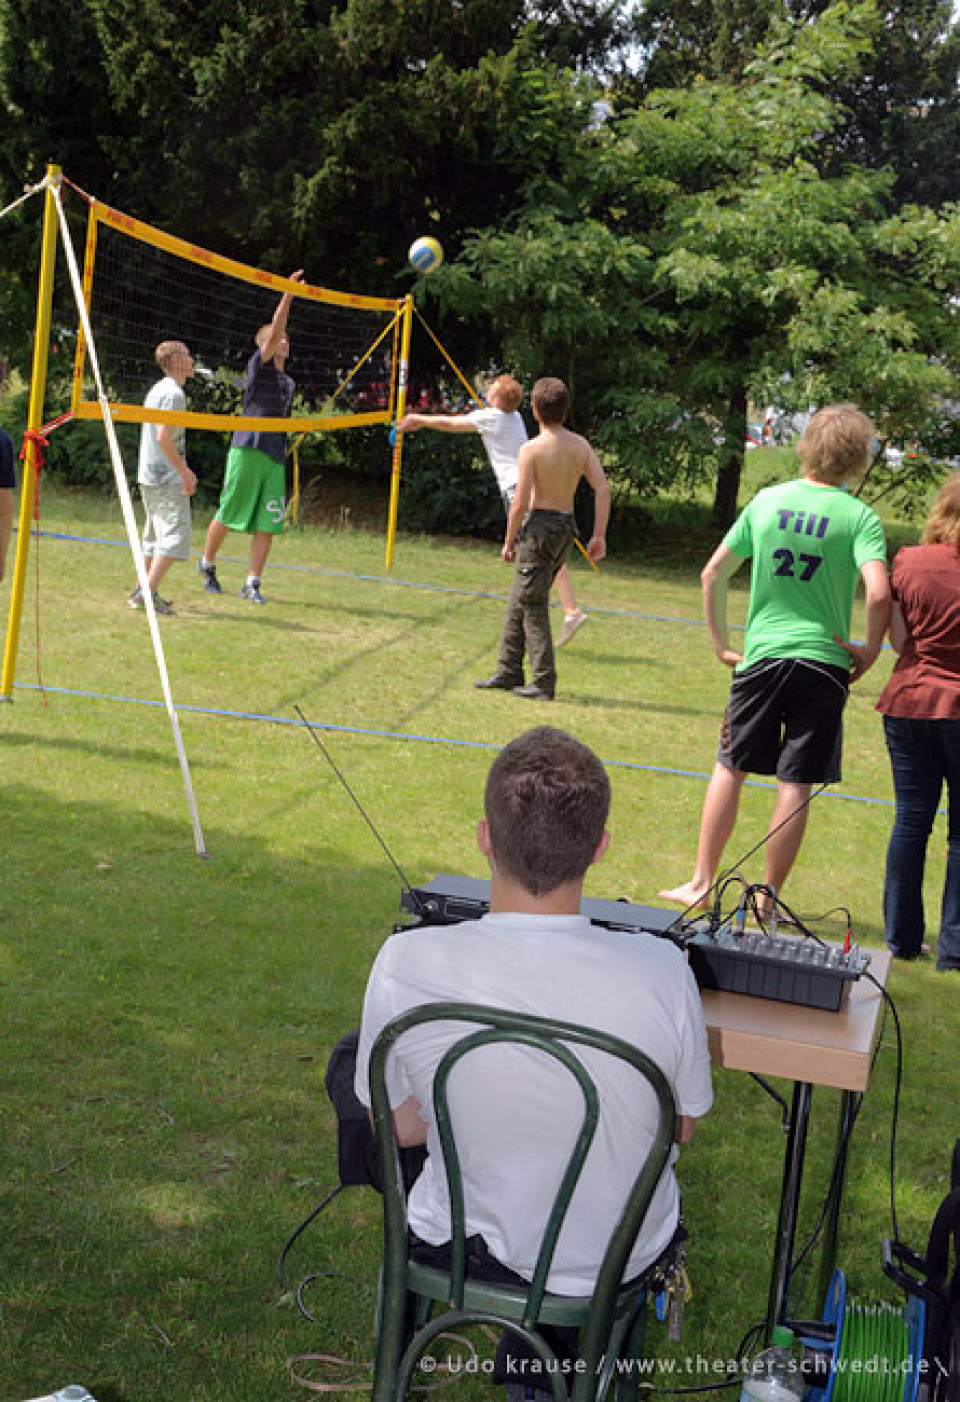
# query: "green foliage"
{"type": "Point", "coordinates": [447, 487]}
{"type": "Point", "coordinates": [730, 233]}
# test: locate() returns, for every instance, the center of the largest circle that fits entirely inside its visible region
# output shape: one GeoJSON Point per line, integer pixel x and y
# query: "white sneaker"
{"type": "Point", "coordinates": [571, 622]}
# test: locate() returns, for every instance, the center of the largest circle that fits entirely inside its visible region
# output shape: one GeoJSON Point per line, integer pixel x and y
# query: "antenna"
{"type": "Point", "coordinates": [730, 871]}
{"type": "Point", "coordinates": [421, 908]}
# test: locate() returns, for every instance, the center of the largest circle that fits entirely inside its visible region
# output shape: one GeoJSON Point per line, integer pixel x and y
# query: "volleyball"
{"type": "Point", "coordinates": [425, 254]}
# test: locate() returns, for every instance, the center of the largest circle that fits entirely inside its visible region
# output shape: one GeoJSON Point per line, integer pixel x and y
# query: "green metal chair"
{"type": "Point", "coordinates": [611, 1322]}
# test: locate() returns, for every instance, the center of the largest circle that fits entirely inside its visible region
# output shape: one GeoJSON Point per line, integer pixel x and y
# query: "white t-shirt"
{"type": "Point", "coordinates": [503, 436]}
{"type": "Point", "coordinates": [154, 468]}
{"type": "Point", "coordinates": [513, 1107]}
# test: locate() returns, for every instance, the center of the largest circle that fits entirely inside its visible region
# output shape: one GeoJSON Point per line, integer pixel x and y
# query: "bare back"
{"type": "Point", "coordinates": [556, 459]}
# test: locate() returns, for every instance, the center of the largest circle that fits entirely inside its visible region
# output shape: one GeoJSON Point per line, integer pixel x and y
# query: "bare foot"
{"type": "Point", "coordinates": [691, 895]}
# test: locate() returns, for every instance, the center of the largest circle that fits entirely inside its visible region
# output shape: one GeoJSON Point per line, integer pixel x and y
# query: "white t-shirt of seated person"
{"type": "Point", "coordinates": [513, 1107]}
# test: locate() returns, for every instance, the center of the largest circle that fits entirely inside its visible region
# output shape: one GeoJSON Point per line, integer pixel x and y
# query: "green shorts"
{"type": "Point", "coordinates": [253, 492]}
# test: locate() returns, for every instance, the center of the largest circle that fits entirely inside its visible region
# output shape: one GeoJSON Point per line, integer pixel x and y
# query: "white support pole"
{"type": "Point", "coordinates": [129, 520]}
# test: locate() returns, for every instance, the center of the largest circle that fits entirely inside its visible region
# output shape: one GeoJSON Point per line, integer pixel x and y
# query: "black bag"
{"type": "Point", "coordinates": [930, 1277]}
{"type": "Point", "coordinates": [357, 1159]}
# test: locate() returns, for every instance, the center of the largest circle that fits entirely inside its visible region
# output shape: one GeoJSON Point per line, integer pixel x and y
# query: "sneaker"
{"type": "Point", "coordinates": [251, 592]}
{"type": "Point", "coordinates": [571, 622]}
{"type": "Point", "coordinates": [208, 574]}
{"type": "Point", "coordinates": [135, 601]}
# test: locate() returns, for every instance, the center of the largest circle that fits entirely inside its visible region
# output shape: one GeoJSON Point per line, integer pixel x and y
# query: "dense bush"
{"type": "Point", "coordinates": [448, 487]}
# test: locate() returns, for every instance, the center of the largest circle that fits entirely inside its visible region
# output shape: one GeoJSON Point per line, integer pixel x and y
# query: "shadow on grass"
{"type": "Point", "coordinates": [50, 738]}
{"type": "Point", "coordinates": [165, 1128]}
{"type": "Point", "coordinates": [624, 703]}
{"type": "Point", "coordinates": [407, 636]}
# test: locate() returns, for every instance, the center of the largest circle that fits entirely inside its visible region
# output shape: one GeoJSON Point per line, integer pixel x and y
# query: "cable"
{"type": "Point", "coordinates": [815, 793]}
{"type": "Point", "coordinates": [895, 1116]}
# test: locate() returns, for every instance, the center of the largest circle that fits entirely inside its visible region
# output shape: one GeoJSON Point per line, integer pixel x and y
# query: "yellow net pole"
{"type": "Point", "coordinates": [38, 384]}
{"type": "Point", "coordinates": [403, 375]}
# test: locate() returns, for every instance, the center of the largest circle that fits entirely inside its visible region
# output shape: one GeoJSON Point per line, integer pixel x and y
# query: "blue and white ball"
{"type": "Point", "coordinates": [426, 254]}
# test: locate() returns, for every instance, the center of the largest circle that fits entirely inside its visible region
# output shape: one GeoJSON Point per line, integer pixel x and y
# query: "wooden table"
{"type": "Point", "coordinates": [810, 1048]}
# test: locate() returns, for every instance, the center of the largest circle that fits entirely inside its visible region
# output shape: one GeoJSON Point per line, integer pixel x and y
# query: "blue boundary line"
{"type": "Point", "coordinates": [413, 738]}
{"type": "Point", "coordinates": [390, 579]}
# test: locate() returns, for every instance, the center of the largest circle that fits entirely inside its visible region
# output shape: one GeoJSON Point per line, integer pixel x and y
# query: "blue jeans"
{"type": "Point", "coordinates": [923, 755]}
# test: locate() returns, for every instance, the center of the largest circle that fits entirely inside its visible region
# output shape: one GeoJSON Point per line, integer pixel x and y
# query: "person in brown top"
{"type": "Point", "coordinates": [540, 530]}
{"type": "Point", "coordinates": [921, 721]}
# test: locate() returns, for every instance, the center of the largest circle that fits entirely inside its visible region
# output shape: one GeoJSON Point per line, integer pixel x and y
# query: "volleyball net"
{"type": "Point", "coordinates": [142, 286]}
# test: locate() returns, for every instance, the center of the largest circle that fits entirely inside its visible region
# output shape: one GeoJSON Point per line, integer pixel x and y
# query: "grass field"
{"type": "Point", "coordinates": [167, 1020]}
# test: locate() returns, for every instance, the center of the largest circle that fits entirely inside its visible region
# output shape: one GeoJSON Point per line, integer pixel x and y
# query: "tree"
{"type": "Point", "coordinates": [694, 254]}
{"type": "Point", "coordinates": [901, 111]}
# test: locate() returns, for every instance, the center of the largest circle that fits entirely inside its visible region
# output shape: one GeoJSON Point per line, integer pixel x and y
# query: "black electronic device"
{"type": "Point", "coordinates": [785, 968]}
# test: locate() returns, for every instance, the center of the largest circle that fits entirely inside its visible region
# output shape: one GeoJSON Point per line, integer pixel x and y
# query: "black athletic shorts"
{"type": "Point", "coordinates": [784, 717]}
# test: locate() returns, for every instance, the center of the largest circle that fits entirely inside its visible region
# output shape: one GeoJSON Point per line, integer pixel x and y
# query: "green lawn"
{"type": "Point", "coordinates": [167, 1020]}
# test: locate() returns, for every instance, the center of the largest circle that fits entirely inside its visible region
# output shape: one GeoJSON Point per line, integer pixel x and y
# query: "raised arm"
{"type": "Point", "coordinates": [278, 326]}
{"type": "Point", "coordinates": [714, 577]}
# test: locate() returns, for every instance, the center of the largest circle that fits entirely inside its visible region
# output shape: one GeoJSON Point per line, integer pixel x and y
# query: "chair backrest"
{"type": "Point", "coordinates": [556, 1039]}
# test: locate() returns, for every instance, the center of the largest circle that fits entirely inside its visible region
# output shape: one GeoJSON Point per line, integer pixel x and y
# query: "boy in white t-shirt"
{"type": "Point", "coordinates": [503, 433]}
{"type": "Point", "coordinates": [546, 802]}
{"type": "Point", "coordinates": [166, 482]}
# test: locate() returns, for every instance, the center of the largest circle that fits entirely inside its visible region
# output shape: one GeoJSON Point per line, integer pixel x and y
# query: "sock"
{"type": "Point", "coordinates": [206, 564]}
{"type": "Point", "coordinates": [253, 579]}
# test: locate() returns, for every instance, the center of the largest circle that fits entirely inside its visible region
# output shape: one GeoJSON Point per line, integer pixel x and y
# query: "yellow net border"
{"type": "Point", "coordinates": [181, 248]}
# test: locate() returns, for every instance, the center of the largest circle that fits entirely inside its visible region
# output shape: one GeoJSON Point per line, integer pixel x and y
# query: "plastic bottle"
{"type": "Point", "coordinates": [775, 1374]}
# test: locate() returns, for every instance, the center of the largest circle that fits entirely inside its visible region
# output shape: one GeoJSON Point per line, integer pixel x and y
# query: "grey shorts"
{"type": "Point", "coordinates": [785, 717]}
{"type": "Point", "coordinates": [166, 529]}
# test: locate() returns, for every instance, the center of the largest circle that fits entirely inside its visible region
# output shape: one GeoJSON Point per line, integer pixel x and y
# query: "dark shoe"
{"type": "Point", "coordinates": [533, 692]}
{"type": "Point", "coordinates": [496, 683]}
{"type": "Point", "coordinates": [208, 573]}
{"type": "Point", "coordinates": [251, 592]}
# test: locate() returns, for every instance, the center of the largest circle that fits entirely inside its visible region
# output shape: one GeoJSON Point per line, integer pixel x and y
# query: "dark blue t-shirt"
{"type": "Point", "coordinates": [7, 476]}
{"type": "Point", "coordinates": [267, 394]}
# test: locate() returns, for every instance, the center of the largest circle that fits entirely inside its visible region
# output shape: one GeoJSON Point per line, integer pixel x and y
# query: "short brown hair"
{"type": "Point", "coordinates": [546, 803]}
{"type": "Point", "coordinates": [509, 392]}
{"type": "Point", "coordinates": [167, 351]}
{"type": "Point", "coordinates": [550, 400]}
{"type": "Point", "coordinates": [836, 442]}
{"type": "Point", "coordinates": [943, 526]}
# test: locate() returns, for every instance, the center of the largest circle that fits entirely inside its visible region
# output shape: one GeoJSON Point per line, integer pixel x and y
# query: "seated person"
{"type": "Point", "coordinates": [546, 804]}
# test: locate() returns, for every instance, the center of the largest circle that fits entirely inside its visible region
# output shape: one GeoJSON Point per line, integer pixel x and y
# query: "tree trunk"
{"type": "Point", "coordinates": [731, 462]}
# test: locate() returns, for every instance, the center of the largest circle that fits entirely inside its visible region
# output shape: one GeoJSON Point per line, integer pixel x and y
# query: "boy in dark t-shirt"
{"type": "Point", "coordinates": [252, 499]}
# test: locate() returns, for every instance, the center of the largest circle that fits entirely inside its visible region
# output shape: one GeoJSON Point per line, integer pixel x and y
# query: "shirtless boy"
{"type": "Point", "coordinates": [503, 434]}
{"type": "Point", "coordinates": [540, 530]}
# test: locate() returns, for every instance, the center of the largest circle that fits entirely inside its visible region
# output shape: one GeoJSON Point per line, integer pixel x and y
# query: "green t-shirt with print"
{"type": "Point", "coordinates": [806, 544]}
